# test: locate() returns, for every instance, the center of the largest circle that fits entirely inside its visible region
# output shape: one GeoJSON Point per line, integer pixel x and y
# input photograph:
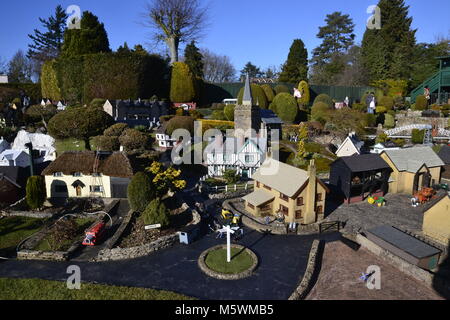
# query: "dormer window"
{"type": "Point", "coordinates": [58, 174]}
{"type": "Point", "coordinates": [77, 174]}
{"type": "Point", "coordinates": [96, 174]}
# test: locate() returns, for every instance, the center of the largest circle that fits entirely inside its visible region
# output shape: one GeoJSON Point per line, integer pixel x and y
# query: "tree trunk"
{"type": "Point", "coordinates": [173, 44]}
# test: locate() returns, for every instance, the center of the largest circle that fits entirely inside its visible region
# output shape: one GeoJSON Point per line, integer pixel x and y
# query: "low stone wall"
{"type": "Point", "coordinates": [229, 195]}
{"type": "Point", "coordinates": [111, 242]}
{"type": "Point", "coordinates": [223, 276]}
{"type": "Point", "coordinates": [42, 255]}
{"type": "Point", "coordinates": [312, 271]}
{"type": "Point", "coordinates": [27, 214]}
{"type": "Point", "coordinates": [136, 252]}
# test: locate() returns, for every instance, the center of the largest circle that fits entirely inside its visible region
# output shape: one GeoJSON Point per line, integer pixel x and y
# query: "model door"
{"type": "Point", "coordinates": [78, 189]}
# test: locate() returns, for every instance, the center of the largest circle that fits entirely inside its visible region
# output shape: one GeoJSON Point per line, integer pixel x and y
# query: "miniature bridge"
{"type": "Point", "coordinates": [441, 132]}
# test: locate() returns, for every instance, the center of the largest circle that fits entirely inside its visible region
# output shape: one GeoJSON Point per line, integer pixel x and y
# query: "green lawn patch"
{"type": "Point", "coordinates": [240, 261]}
{"type": "Point", "coordinates": [36, 289]}
{"type": "Point", "coordinates": [15, 229]}
{"type": "Point", "coordinates": [71, 144]}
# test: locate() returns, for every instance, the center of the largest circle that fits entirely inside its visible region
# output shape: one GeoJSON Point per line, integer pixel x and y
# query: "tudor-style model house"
{"type": "Point", "coordinates": [413, 169]}
{"type": "Point", "coordinates": [281, 189]}
{"type": "Point", "coordinates": [88, 174]}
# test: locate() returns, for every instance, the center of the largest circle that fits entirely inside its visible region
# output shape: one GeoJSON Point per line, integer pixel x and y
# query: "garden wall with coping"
{"type": "Point", "coordinates": [311, 273]}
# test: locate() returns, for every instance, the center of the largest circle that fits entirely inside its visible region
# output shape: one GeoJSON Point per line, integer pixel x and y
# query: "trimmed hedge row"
{"type": "Point", "coordinates": [105, 75]}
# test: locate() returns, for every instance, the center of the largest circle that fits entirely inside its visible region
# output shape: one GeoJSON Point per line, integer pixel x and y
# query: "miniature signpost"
{"type": "Point", "coordinates": [153, 226]}
{"type": "Point", "coordinates": [229, 232]}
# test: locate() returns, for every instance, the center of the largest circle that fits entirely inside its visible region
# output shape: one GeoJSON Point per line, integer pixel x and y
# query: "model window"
{"type": "Point", "coordinates": [58, 174]}
{"type": "Point", "coordinates": [257, 184]}
{"type": "Point", "coordinates": [319, 197]}
{"type": "Point", "coordinates": [226, 157]}
{"type": "Point", "coordinates": [77, 174]}
{"type": "Point", "coordinates": [249, 158]}
{"type": "Point", "coordinates": [319, 209]}
{"type": "Point", "coordinates": [96, 189]}
{"type": "Point", "coordinates": [251, 206]}
{"type": "Point", "coordinates": [97, 174]}
{"type": "Point", "coordinates": [284, 197]}
{"type": "Point", "coordinates": [298, 214]}
{"type": "Point", "coordinates": [300, 201]}
{"type": "Point", "coordinates": [284, 210]}
{"type": "Point", "coordinates": [268, 188]}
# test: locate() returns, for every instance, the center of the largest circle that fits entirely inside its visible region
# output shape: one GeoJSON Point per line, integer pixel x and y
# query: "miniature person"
{"type": "Point", "coordinates": [427, 94]}
{"type": "Point", "coordinates": [372, 106]}
{"type": "Point", "coordinates": [297, 93]}
{"type": "Point", "coordinates": [346, 101]}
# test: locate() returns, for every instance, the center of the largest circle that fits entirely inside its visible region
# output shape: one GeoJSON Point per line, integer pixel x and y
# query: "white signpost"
{"type": "Point", "coordinates": [229, 232]}
{"type": "Point", "coordinates": [152, 226]}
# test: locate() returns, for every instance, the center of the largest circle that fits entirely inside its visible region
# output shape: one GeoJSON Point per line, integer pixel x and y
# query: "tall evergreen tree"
{"type": "Point", "coordinates": [337, 37]}
{"type": "Point", "coordinates": [194, 59]}
{"type": "Point", "coordinates": [252, 70]}
{"type": "Point", "coordinates": [20, 68]}
{"type": "Point", "coordinates": [296, 67]}
{"type": "Point", "coordinates": [46, 45]}
{"type": "Point", "coordinates": [388, 52]}
{"type": "Point", "coordinates": [91, 38]}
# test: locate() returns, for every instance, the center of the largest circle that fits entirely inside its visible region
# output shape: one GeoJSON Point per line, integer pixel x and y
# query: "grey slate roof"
{"type": "Point", "coordinates": [444, 154]}
{"type": "Point", "coordinates": [281, 177]}
{"type": "Point", "coordinates": [404, 241]}
{"type": "Point", "coordinates": [258, 197]}
{"type": "Point", "coordinates": [408, 159]}
{"type": "Point", "coordinates": [364, 162]}
{"type": "Point", "coordinates": [269, 117]}
{"type": "Point", "coordinates": [247, 90]}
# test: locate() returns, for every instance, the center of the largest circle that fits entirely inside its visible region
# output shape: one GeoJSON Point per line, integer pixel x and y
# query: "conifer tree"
{"type": "Point", "coordinates": [194, 59]}
{"type": "Point", "coordinates": [295, 68]}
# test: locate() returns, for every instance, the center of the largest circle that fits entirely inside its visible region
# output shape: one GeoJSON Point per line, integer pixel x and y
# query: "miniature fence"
{"type": "Point", "coordinates": [230, 188]}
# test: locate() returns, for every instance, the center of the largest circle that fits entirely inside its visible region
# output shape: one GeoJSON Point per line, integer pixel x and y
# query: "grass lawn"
{"type": "Point", "coordinates": [15, 229]}
{"type": "Point", "coordinates": [240, 261]}
{"type": "Point", "coordinates": [71, 145]}
{"type": "Point", "coordinates": [83, 224]}
{"type": "Point", "coordinates": [36, 289]}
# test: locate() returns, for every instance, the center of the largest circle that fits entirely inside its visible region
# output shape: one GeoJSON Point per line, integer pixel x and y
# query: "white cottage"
{"type": "Point", "coordinates": [14, 158]}
{"type": "Point", "coordinates": [351, 146]}
{"type": "Point", "coordinates": [244, 158]}
{"type": "Point", "coordinates": [3, 144]}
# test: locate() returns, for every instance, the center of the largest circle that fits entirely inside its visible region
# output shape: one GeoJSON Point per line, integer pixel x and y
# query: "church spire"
{"type": "Point", "coordinates": [247, 99]}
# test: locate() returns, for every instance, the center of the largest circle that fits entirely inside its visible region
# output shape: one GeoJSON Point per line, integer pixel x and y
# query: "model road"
{"type": "Point", "coordinates": [282, 260]}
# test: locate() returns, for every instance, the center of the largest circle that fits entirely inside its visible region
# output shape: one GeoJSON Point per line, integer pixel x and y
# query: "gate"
{"type": "Point", "coordinates": [332, 226]}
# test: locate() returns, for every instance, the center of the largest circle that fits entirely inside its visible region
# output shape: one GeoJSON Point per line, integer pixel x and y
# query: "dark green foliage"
{"type": "Point", "coordinates": [252, 71]}
{"type": "Point", "coordinates": [421, 103]}
{"type": "Point", "coordinates": [194, 59]}
{"type": "Point", "coordinates": [325, 99]}
{"type": "Point", "coordinates": [9, 91]}
{"type": "Point", "coordinates": [371, 119]}
{"type": "Point", "coordinates": [106, 143]}
{"type": "Point", "coordinates": [259, 97]}
{"type": "Point", "coordinates": [387, 53]}
{"type": "Point", "coordinates": [156, 213]}
{"type": "Point", "coordinates": [417, 136]}
{"type": "Point", "coordinates": [132, 139]}
{"type": "Point", "coordinates": [180, 122]}
{"type": "Point", "coordinates": [37, 113]}
{"type": "Point", "coordinates": [229, 112]}
{"type": "Point", "coordinates": [91, 38]}
{"type": "Point", "coordinates": [140, 192]}
{"type": "Point", "coordinates": [387, 102]}
{"type": "Point", "coordinates": [218, 115]}
{"type": "Point", "coordinates": [36, 193]}
{"type": "Point", "coordinates": [97, 103]}
{"type": "Point", "coordinates": [231, 176]}
{"type": "Point", "coordinates": [105, 76]}
{"type": "Point", "coordinates": [286, 107]}
{"type": "Point", "coordinates": [20, 68]}
{"type": "Point", "coordinates": [389, 121]}
{"type": "Point", "coordinates": [319, 112]}
{"type": "Point", "coordinates": [306, 96]}
{"type": "Point", "coordinates": [182, 85]}
{"type": "Point", "coordinates": [281, 88]}
{"type": "Point", "coordinates": [295, 68]}
{"type": "Point", "coordinates": [80, 123]}
{"type": "Point", "coordinates": [47, 45]}
{"type": "Point", "coordinates": [270, 93]}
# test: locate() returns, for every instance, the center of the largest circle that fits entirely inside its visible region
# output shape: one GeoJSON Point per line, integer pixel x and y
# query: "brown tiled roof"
{"type": "Point", "coordinates": [116, 164]}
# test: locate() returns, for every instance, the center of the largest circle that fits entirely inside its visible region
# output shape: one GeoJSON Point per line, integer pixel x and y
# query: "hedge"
{"type": "Point", "coordinates": [140, 192]}
{"type": "Point", "coordinates": [36, 193]}
{"type": "Point", "coordinates": [182, 85]}
{"type": "Point", "coordinates": [285, 106]}
{"type": "Point", "coordinates": [417, 136]}
{"type": "Point", "coordinates": [105, 75]}
{"type": "Point", "coordinates": [9, 91]}
{"type": "Point", "coordinates": [306, 96]}
{"type": "Point", "coordinates": [421, 103]}
{"type": "Point", "coordinates": [270, 93]}
{"type": "Point", "coordinates": [259, 97]}
{"type": "Point", "coordinates": [281, 88]}
{"type": "Point", "coordinates": [325, 99]}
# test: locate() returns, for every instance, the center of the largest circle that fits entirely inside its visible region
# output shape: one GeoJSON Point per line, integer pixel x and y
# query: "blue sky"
{"type": "Point", "coordinates": [260, 31]}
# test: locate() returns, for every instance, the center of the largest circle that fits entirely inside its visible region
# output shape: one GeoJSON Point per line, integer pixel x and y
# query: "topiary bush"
{"type": "Point", "coordinates": [324, 98]}
{"type": "Point", "coordinates": [218, 115]}
{"type": "Point", "coordinates": [180, 122]}
{"type": "Point", "coordinates": [417, 136]}
{"type": "Point", "coordinates": [132, 139]}
{"type": "Point", "coordinates": [270, 93]}
{"type": "Point", "coordinates": [140, 192]}
{"type": "Point", "coordinates": [381, 109]}
{"type": "Point", "coordinates": [231, 176]}
{"type": "Point", "coordinates": [286, 107]}
{"type": "Point", "coordinates": [421, 103]}
{"type": "Point", "coordinates": [387, 102]}
{"type": "Point", "coordinates": [229, 112]}
{"type": "Point", "coordinates": [106, 143]}
{"type": "Point", "coordinates": [319, 112]}
{"type": "Point", "coordinates": [156, 213]}
{"type": "Point", "coordinates": [389, 121]}
{"type": "Point", "coordinates": [281, 88]}
{"type": "Point", "coordinates": [305, 99]}
{"type": "Point", "coordinates": [182, 84]}
{"type": "Point", "coordinates": [97, 103]}
{"type": "Point", "coordinates": [35, 192]}
{"type": "Point", "coordinates": [259, 97]}
{"type": "Point", "coordinates": [115, 130]}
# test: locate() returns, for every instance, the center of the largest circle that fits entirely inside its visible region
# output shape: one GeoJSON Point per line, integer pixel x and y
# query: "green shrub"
{"type": "Point", "coordinates": [106, 143]}
{"type": "Point", "coordinates": [319, 112]}
{"type": "Point", "coordinates": [180, 112]}
{"type": "Point", "coordinates": [182, 84]}
{"type": "Point", "coordinates": [156, 213]}
{"type": "Point", "coordinates": [421, 103]}
{"type": "Point", "coordinates": [389, 121]}
{"type": "Point", "coordinates": [50, 86]}
{"type": "Point", "coordinates": [417, 136]}
{"type": "Point", "coordinates": [381, 138]}
{"type": "Point", "coordinates": [386, 101]}
{"type": "Point", "coordinates": [270, 93]}
{"type": "Point", "coordinates": [286, 107]}
{"type": "Point", "coordinates": [140, 192]}
{"type": "Point", "coordinates": [259, 97]}
{"type": "Point", "coordinates": [194, 113]}
{"type": "Point", "coordinates": [281, 88]}
{"type": "Point", "coordinates": [359, 107]}
{"type": "Point", "coordinates": [218, 115]}
{"type": "Point", "coordinates": [115, 130]}
{"type": "Point", "coordinates": [36, 193]}
{"type": "Point", "coordinates": [97, 103]}
{"type": "Point", "coordinates": [325, 99]}
{"type": "Point", "coordinates": [180, 122]}
{"type": "Point", "coordinates": [231, 176]}
{"type": "Point", "coordinates": [132, 139]}
{"type": "Point", "coordinates": [229, 112]}
{"type": "Point", "coordinates": [381, 109]}
{"type": "Point", "coordinates": [371, 119]}
{"type": "Point", "coordinates": [305, 99]}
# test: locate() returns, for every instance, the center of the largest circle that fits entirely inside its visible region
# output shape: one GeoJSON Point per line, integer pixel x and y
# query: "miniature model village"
{"type": "Point", "coordinates": [282, 192]}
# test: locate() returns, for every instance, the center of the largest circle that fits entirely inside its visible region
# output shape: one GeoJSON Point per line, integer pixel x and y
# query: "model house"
{"type": "Point", "coordinates": [436, 219]}
{"type": "Point", "coordinates": [384, 146]}
{"type": "Point", "coordinates": [351, 146]}
{"type": "Point", "coordinates": [164, 140]}
{"type": "Point", "coordinates": [270, 123]}
{"type": "Point", "coordinates": [444, 154]}
{"type": "Point", "coordinates": [14, 158]}
{"type": "Point", "coordinates": [281, 189]}
{"type": "Point", "coordinates": [43, 145]}
{"type": "Point", "coordinates": [3, 144]}
{"type": "Point", "coordinates": [413, 169]}
{"type": "Point", "coordinates": [355, 178]}
{"type": "Point", "coordinates": [88, 174]}
{"type": "Point", "coordinates": [231, 154]}
{"type": "Point", "coordinates": [138, 112]}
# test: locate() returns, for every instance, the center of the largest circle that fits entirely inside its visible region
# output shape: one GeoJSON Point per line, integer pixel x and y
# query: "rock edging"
{"type": "Point", "coordinates": [307, 282]}
{"type": "Point", "coordinates": [223, 276]}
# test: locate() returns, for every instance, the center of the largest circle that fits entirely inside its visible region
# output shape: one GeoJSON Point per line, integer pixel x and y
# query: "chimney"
{"type": "Point", "coordinates": [310, 212]}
